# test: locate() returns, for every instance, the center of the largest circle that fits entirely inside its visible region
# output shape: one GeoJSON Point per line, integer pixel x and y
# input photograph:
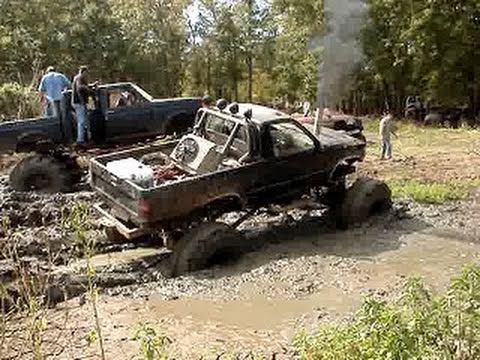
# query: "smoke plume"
{"type": "Point", "coordinates": [341, 48]}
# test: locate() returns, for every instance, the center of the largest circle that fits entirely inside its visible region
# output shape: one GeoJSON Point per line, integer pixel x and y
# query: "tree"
{"type": "Point", "coordinates": [154, 33]}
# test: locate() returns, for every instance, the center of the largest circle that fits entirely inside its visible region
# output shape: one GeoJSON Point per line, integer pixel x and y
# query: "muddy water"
{"type": "Point", "coordinates": [267, 311]}
{"type": "Point", "coordinates": [434, 258]}
{"type": "Point", "coordinates": [303, 280]}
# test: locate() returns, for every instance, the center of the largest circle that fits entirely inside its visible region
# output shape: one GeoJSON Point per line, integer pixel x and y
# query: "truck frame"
{"type": "Point", "coordinates": [240, 159]}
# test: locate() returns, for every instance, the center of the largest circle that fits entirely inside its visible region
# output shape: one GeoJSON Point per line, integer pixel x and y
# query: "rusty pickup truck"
{"type": "Point", "coordinates": [239, 158]}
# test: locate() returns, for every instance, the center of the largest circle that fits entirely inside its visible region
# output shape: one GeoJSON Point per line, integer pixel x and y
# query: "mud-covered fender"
{"type": "Point", "coordinates": [34, 141]}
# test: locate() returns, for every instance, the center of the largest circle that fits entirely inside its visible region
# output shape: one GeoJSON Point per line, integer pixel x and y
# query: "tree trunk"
{"type": "Point", "coordinates": [209, 75]}
{"type": "Point", "coordinates": [250, 51]}
{"type": "Point", "coordinates": [250, 76]}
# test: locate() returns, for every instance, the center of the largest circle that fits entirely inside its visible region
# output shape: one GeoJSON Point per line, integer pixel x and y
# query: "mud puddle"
{"type": "Point", "coordinates": [262, 301]}
{"type": "Point", "coordinates": [301, 274]}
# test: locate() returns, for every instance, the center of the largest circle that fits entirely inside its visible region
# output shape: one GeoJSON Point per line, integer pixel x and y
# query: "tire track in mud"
{"type": "Point", "coordinates": [34, 224]}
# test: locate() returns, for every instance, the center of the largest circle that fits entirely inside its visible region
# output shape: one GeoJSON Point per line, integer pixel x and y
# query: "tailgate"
{"type": "Point", "coordinates": [122, 196]}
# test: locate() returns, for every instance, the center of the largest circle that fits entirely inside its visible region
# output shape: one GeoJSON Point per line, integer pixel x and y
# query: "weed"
{"type": "Point", "coordinates": [152, 345]}
{"type": "Point", "coordinates": [418, 326]}
{"type": "Point", "coordinates": [77, 219]}
{"type": "Point", "coordinates": [17, 101]}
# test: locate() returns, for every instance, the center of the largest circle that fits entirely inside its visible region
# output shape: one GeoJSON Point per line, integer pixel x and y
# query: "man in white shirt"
{"type": "Point", "coordinates": [387, 128]}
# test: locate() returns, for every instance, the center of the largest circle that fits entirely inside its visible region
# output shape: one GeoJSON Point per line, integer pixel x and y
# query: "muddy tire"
{"type": "Point", "coordinates": [41, 173]}
{"type": "Point", "coordinates": [206, 244]}
{"type": "Point", "coordinates": [364, 198]}
{"type": "Point", "coordinates": [114, 236]}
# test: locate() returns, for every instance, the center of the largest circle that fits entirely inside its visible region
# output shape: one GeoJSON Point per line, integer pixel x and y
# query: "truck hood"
{"type": "Point", "coordinates": [329, 137]}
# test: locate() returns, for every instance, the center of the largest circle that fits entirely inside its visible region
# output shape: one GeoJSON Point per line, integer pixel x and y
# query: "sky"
{"type": "Point", "coordinates": [192, 12]}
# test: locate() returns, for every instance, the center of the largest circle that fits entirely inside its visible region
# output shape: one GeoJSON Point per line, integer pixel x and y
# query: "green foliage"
{"type": "Point", "coordinates": [242, 49]}
{"type": "Point", "coordinates": [153, 40]}
{"type": "Point", "coordinates": [17, 102]}
{"type": "Point", "coordinates": [76, 219]}
{"type": "Point", "coordinates": [92, 337]}
{"type": "Point", "coordinates": [430, 193]}
{"type": "Point", "coordinates": [152, 345]}
{"type": "Point", "coordinates": [423, 47]}
{"type": "Point", "coordinates": [418, 326]}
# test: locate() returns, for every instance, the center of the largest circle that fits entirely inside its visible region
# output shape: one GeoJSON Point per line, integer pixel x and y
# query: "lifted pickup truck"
{"type": "Point", "coordinates": [243, 158]}
{"type": "Point", "coordinates": [120, 113]}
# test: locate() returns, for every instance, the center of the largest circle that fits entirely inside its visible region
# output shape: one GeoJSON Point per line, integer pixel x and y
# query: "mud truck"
{"type": "Point", "coordinates": [118, 114]}
{"type": "Point", "coordinates": [239, 158]}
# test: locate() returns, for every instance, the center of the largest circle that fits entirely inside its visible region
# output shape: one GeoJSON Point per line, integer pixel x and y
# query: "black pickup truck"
{"type": "Point", "coordinates": [119, 113]}
{"type": "Point", "coordinates": [244, 159]}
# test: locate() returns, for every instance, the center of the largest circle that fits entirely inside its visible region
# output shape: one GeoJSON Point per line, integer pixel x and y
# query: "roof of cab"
{"type": "Point", "coordinates": [260, 114]}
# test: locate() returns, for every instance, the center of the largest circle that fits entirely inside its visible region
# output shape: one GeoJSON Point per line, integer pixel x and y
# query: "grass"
{"type": "Point", "coordinates": [432, 192]}
{"type": "Point", "coordinates": [417, 326]}
{"type": "Point", "coordinates": [431, 165]}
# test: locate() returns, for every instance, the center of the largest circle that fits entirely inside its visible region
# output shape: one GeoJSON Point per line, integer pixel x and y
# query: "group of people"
{"type": "Point", "coordinates": [52, 87]}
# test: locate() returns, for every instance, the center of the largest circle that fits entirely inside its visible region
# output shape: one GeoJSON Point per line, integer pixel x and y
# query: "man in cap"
{"type": "Point", "coordinates": [207, 101]}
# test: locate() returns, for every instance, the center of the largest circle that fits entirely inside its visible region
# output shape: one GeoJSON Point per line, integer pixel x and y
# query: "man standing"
{"type": "Point", "coordinates": [80, 94]}
{"type": "Point", "coordinates": [51, 87]}
{"type": "Point", "coordinates": [387, 128]}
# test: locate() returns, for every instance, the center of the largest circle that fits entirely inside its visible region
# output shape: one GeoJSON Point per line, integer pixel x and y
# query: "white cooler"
{"type": "Point", "coordinates": [133, 170]}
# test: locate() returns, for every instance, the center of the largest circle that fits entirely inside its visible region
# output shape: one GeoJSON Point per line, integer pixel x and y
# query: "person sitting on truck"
{"type": "Point", "coordinates": [80, 94]}
{"type": "Point", "coordinates": [51, 88]}
{"type": "Point", "coordinates": [125, 98]}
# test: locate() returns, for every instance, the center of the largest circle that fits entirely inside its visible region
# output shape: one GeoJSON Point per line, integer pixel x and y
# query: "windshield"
{"type": "Point", "coordinates": [288, 138]}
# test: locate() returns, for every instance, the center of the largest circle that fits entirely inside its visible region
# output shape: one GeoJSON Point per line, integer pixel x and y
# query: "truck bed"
{"type": "Point", "coordinates": [169, 200]}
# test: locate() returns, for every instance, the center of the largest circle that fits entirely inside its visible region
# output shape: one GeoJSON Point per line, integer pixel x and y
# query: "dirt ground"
{"type": "Point", "coordinates": [426, 154]}
{"type": "Point", "coordinates": [301, 274]}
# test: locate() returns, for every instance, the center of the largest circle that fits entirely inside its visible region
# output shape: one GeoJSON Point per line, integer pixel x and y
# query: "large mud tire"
{"type": "Point", "coordinates": [363, 199]}
{"type": "Point", "coordinates": [203, 244]}
{"type": "Point", "coordinates": [114, 236]}
{"type": "Point", "coordinates": [41, 173]}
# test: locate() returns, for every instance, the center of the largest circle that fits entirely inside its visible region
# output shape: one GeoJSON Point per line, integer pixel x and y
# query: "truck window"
{"type": "Point", "coordinates": [219, 125]}
{"type": "Point", "coordinates": [288, 139]}
{"type": "Point", "coordinates": [241, 134]}
{"type": "Point", "coordinates": [239, 145]}
{"type": "Point", "coordinates": [119, 98]}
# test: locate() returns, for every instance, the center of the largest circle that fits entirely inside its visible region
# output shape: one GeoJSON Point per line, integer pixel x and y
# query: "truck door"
{"type": "Point", "coordinates": [126, 116]}
{"type": "Point", "coordinates": [291, 162]}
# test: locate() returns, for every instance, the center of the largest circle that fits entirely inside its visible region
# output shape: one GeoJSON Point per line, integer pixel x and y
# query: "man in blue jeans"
{"type": "Point", "coordinates": [80, 94]}
{"type": "Point", "coordinates": [51, 87]}
{"type": "Point", "coordinates": [387, 128]}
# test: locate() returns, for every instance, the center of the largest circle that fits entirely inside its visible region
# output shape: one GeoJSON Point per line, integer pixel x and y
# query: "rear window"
{"type": "Point", "coordinates": [219, 125]}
